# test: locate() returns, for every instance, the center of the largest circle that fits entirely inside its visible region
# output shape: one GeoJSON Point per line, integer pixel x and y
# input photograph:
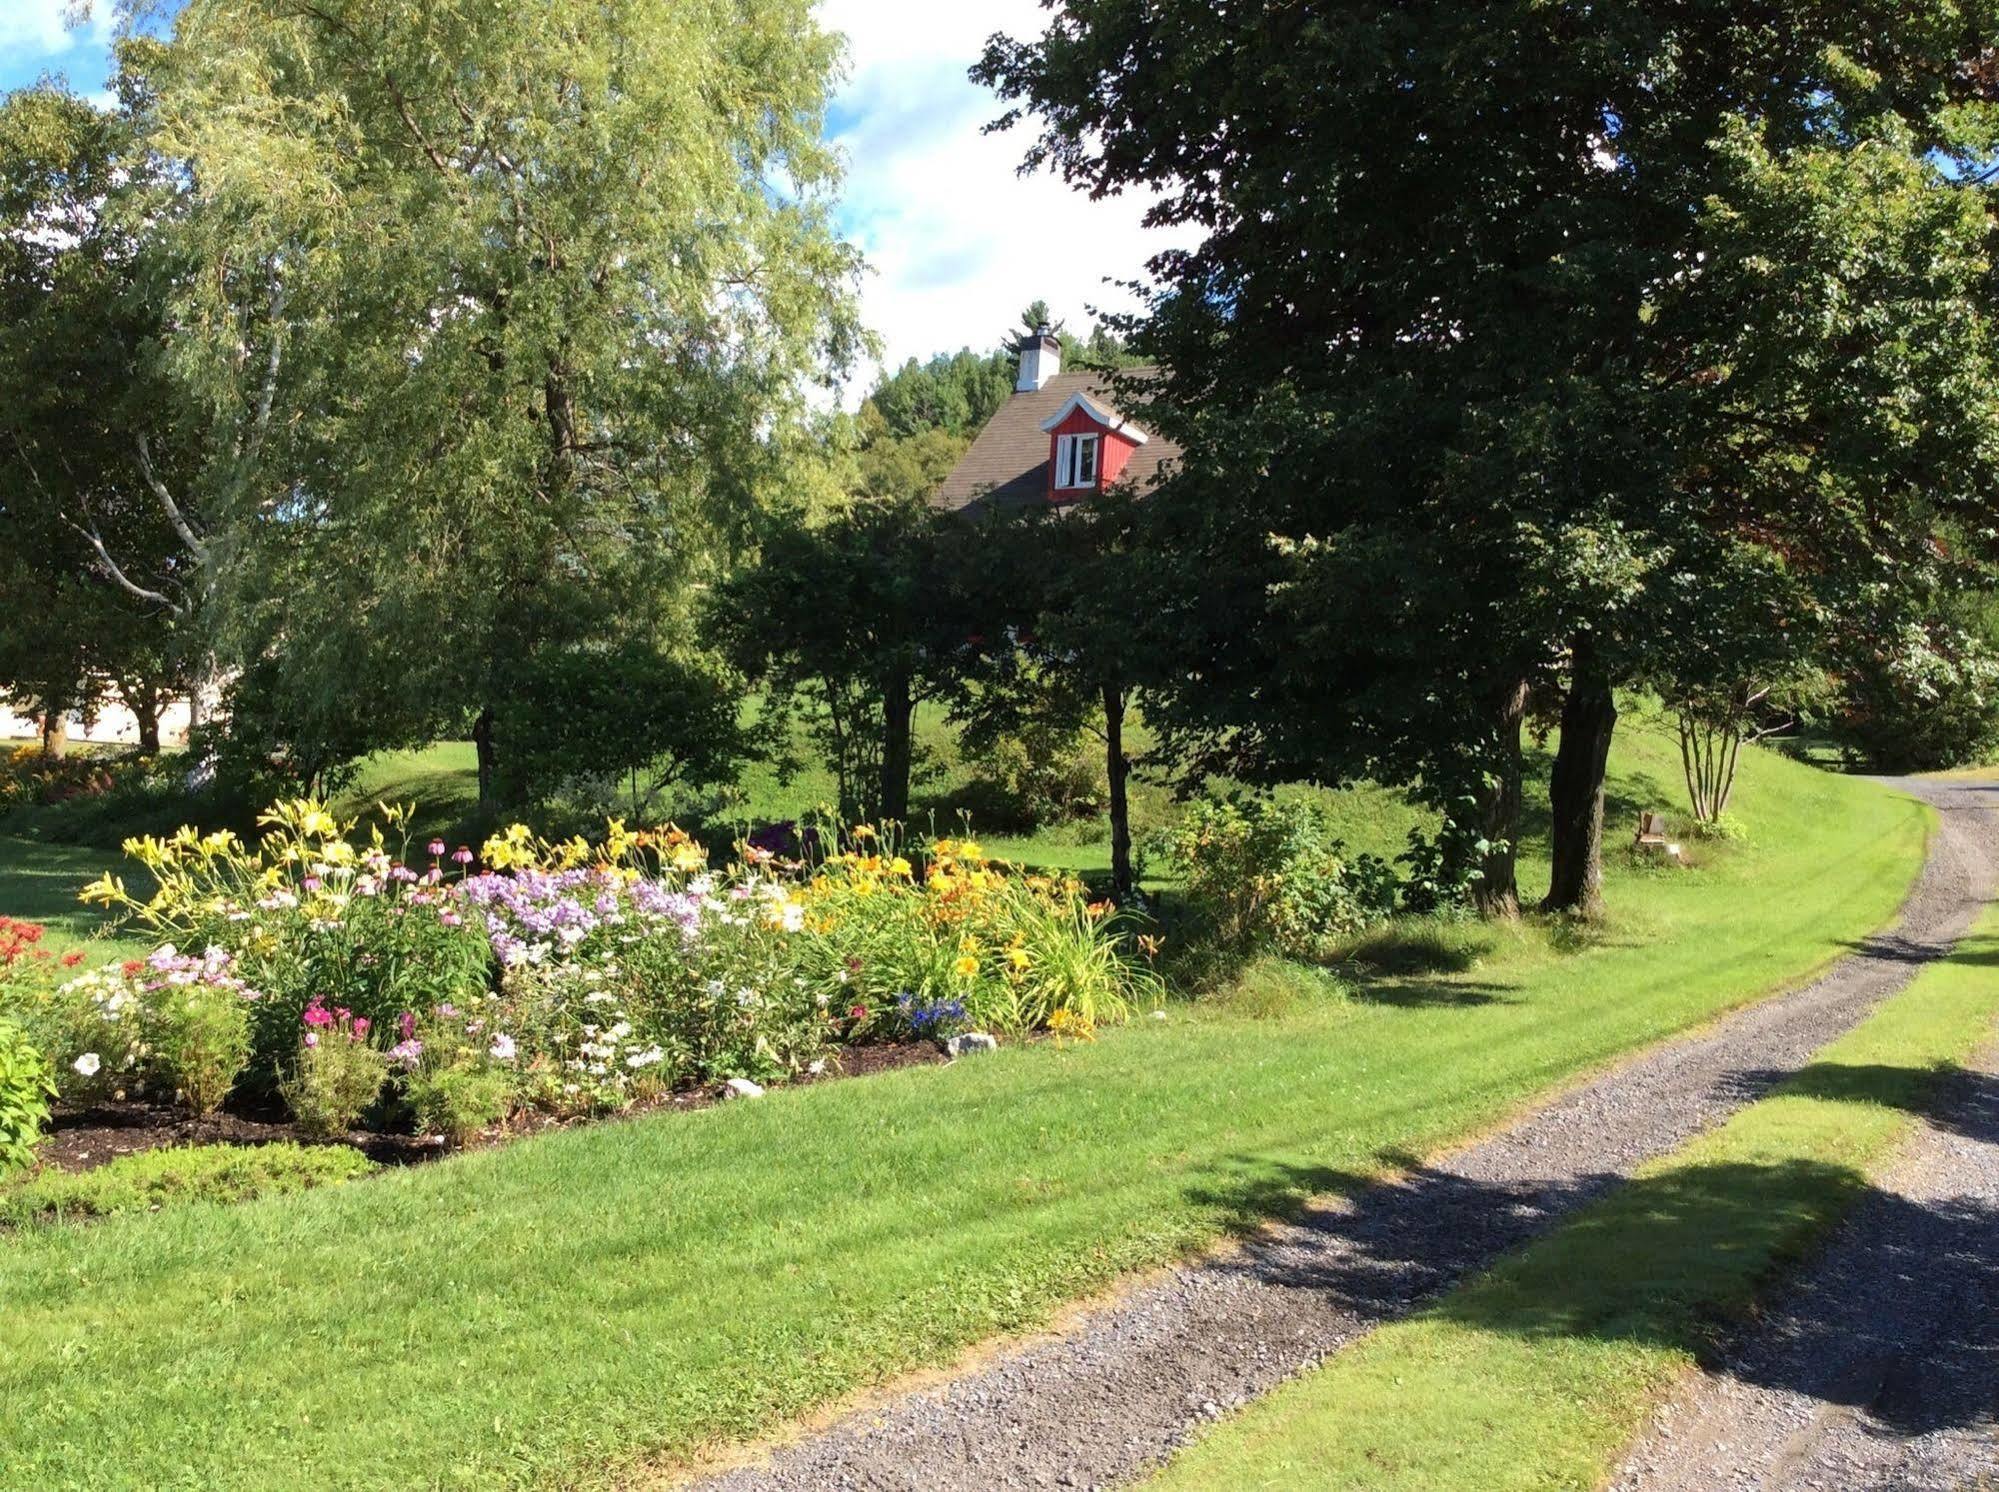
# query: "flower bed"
{"type": "Point", "coordinates": [360, 984]}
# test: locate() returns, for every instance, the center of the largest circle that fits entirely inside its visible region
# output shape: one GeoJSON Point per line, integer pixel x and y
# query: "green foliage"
{"type": "Point", "coordinates": [954, 393]}
{"type": "Point", "coordinates": [541, 412]}
{"type": "Point", "coordinates": [26, 1086]}
{"type": "Point", "coordinates": [104, 582]}
{"type": "Point", "coordinates": [155, 1179]}
{"type": "Point", "coordinates": [588, 724]}
{"type": "Point", "coordinates": [461, 1083]}
{"type": "Point", "coordinates": [849, 624]}
{"type": "Point", "coordinates": [1924, 696]}
{"type": "Point", "coordinates": [1261, 872]}
{"type": "Point", "coordinates": [335, 1076]}
{"type": "Point", "coordinates": [1041, 773]}
{"type": "Point", "coordinates": [200, 1037]}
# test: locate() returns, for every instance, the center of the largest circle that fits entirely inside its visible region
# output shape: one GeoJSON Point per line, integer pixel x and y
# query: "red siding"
{"type": "Point", "coordinates": [1112, 453]}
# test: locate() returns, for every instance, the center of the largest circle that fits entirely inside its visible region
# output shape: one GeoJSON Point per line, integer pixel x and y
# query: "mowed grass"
{"type": "Point", "coordinates": [1538, 1375]}
{"type": "Point", "coordinates": [584, 1307]}
{"type": "Point", "coordinates": [39, 882]}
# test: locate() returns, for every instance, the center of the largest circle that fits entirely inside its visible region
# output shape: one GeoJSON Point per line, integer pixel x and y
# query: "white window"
{"type": "Point", "coordinates": [1075, 461]}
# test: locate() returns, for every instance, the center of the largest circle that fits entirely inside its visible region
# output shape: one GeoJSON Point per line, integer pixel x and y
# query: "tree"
{"type": "Point", "coordinates": [1050, 595]}
{"type": "Point", "coordinates": [531, 313]}
{"type": "Point", "coordinates": [1707, 277]}
{"type": "Point", "coordinates": [851, 622]}
{"type": "Point", "coordinates": [104, 588]}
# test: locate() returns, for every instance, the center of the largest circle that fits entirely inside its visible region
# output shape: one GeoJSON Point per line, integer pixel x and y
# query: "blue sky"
{"type": "Point", "coordinates": [956, 241]}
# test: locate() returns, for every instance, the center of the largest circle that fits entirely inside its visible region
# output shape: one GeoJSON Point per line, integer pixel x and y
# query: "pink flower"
{"type": "Point", "coordinates": [361, 1025]}
{"type": "Point", "coordinates": [406, 1024]}
{"type": "Point", "coordinates": [312, 1038]}
{"type": "Point", "coordinates": [316, 1014]}
{"type": "Point", "coordinates": [462, 855]}
{"type": "Point", "coordinates": [450, 919]}
{"type": "Point", "coordinates": [436, 847]}
{"type": "Point", "coordinates": [311, 883]}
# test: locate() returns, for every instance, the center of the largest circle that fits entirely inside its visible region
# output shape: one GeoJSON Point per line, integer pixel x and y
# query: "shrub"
{"type": "Point", "coordinates": [26, 1086]}
{"type": "Point", "coordinates": [336, 1074]}
{"type": "Point", "coordinates": [92, 1028]}
{"type": "Point", "coordinates": [464, 1078]}
{"type": "Point", "coordinates": [1043, 774]}
{"type": "Point", "coordinates": [201, 1041]}
{"type": "Point", "coordinates": [169, 1177]}
{"type": "Point", "coordinates": [1264, 873]}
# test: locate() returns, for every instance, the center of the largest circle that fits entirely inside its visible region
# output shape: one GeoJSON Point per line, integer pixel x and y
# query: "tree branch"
{"type": "Point", "coordinates": [111, 568]}
{"type": "Point", "coordinates": [174, 516]}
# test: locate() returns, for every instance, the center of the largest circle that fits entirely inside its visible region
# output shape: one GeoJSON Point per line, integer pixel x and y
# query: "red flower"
{"type": "Point", "coordinates": [859, 1012]}
{"type": "Point", "coordinates": [72, 958]}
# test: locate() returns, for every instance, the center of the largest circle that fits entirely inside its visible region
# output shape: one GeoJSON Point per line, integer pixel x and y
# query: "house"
{"type": "Point", "coordinates": [1058, 440]}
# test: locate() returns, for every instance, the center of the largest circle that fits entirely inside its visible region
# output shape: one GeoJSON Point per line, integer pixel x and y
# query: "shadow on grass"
{"type": "Point", "coordinates": [1674, 1260]}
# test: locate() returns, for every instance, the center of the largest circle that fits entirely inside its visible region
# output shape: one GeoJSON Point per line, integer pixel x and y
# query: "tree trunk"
{"type": "Point", "coordinates": [898, 712]}
{"type": "Point", "coordinates": [1575, 793]}
{"type": "Point", "coordinates": [1118, 770]}
{"type": "Point", "coordinates": [482, 744]}
{"type": "Point", "coordinates": [1497, 892]}
{"type": "Point", "coordinates": [55, 734]}
{"type": "Point", "coordinates": [145, 706]}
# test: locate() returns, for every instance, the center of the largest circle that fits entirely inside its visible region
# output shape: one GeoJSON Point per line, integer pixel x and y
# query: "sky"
{"type": "Point", "coordinates": [956, 241]}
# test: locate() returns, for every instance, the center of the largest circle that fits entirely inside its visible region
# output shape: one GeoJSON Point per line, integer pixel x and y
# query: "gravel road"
{"type": "Point", "coordinates": [1878, 1368]}
{"type": "Point", "coordinates": [1124, 1385]}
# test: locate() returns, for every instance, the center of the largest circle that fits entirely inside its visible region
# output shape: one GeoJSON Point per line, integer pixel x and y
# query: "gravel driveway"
{"type": "Point", "coordinates": [1878, 1369]}
{"type": "Point", "coordinates": [1120, 1388]}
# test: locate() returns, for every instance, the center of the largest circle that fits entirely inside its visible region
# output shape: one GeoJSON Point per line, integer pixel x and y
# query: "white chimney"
{"type": "Point", "coordinates": [1040, 360]}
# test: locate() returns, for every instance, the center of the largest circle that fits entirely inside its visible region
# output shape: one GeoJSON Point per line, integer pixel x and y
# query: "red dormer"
{"type": "Point", "coordinates": [1088, 446]}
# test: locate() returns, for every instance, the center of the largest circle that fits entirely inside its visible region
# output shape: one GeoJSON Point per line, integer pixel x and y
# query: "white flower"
{"type": "Point", "coordinates": [88, 1064]}
{"type": "Point", "coordinates": [502, 1048]}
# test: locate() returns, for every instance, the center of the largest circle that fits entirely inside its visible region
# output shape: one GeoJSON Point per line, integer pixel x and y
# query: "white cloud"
{"type": "Point", "coordinates": [957, 240]}
{"type": "Point", "coordinates": [43, 28]}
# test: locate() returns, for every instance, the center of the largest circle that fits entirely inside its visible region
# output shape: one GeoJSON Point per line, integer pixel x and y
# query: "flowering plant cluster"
{"type": "Point", "coordinates": [970, 938]}
{"type": "Point", "coordinates": [373, 977]}
{"type": "Point", "coordinates": [308, 914]}
{"type": "Point", "coordinates": [30, 775]}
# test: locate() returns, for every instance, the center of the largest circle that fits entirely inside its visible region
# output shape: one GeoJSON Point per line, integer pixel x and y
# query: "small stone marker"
{"type": "Point", "coordinates": [742, 1088]}
{"type": "Point", "coordinates": [971, 1041]}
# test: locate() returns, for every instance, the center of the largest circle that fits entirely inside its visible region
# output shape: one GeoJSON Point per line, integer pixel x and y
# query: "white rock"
{"type": "Point", "coordinates": [970, 1042]}
{"type": "Point", "coordinates": [742, 1088]}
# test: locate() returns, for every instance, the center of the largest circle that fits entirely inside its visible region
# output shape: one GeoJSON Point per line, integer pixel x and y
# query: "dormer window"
{"type": "Point", "coordinates": [1075, 461]}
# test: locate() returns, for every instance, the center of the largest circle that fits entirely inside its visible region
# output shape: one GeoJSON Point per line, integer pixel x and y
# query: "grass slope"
{"type": "Point", "coordinates": [1540, 1373]}
{"type": "Point", "coordinates": [555, 1312]}
{"type": "Point", "coordinates": [39, 882]}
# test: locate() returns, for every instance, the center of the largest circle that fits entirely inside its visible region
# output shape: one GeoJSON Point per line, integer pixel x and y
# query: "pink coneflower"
{"type": "Point", "coordinates": [311, 883]}
{"type": "Point", "coordinates": [462, 855]}
{"type": "Point", "coordinates": [436, 847]}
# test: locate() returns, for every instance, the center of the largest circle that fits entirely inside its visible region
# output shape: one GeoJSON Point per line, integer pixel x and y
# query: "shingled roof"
{"type": "Point", "coordinates": [1008, 464]}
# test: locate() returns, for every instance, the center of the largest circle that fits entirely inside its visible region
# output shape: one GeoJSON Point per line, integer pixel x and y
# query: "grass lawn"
{"type": "Point", "coordinates": [39, 882]}
{"type": "Point", "coordinates": [576, 1307]}
{"type": "Point", "coordinates": [1540, 1373]}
